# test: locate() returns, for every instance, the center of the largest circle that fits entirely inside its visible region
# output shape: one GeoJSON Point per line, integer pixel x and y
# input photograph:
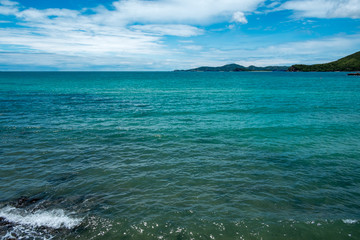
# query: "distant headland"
{"type": "Point", "coordinates": [349, 63]}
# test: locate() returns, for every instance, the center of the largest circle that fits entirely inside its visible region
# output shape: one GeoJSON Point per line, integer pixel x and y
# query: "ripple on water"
{"type": "Point", "coordinates": [180, 155]}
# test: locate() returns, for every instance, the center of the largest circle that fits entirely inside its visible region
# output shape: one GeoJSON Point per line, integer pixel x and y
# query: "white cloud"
{"type": "Point", "coordinates": [180, 11]}
{"type": "Point", "coordinates": [35, 16]}
{"type": "Point", "coordinates": [305, 52]}
{"type": "Point", "coordinates": [193, 47]}
{"type": "Point", "coordinates": [185, 41]}
{"type": "Point", "coordinates": [134, 31]}
{"type": "Point", "coordinates": [131, 28]}
{"type": "Point", "coordinates": [169, 29]}
{"type": "Point", "coordinates": [48, 61]}
{"type": "Point", "coordinates": [319, 47]}
{"type": "Point", "coordinates": [82, 42]}
{"type": "Point", "coordinates": [273, 4]}
{"type": "Point", "coordinates": [324, 8]}
{"type": "Point", "coordinates": [8, 7]}
{"type": "Point", "coordinates": [239, 17]}
{"type": "Point", "coordinates": [8, 3]}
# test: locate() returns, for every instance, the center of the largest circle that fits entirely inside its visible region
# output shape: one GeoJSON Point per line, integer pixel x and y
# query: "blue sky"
{"type": "Point", "coordinates": [156, 35]}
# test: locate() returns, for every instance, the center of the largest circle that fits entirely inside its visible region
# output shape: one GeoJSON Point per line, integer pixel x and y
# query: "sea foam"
{"type": "Point", "coordinates": [52, 218]}
{"type": "Point", "coordinates": [349, 221]}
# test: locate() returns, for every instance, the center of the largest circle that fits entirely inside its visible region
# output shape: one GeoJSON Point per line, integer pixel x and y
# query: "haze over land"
{"type": "Point", "coordinates": [174, 34]}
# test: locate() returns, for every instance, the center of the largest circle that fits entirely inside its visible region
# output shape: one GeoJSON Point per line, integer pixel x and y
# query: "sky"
{"type": "Point", "coordinates": [163, 35]}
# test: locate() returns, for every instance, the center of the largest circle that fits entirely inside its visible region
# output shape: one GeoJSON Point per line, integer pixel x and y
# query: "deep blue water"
{"type": "Point", "coordinates": [179, 155]}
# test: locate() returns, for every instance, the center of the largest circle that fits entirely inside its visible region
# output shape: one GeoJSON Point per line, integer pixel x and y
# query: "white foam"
{"type": "Point", "coordinates": [349, 221]}
{"type": "Point", "coordinates": [53, 218]}
{"type": "Point", "coordinates": [22, 232]}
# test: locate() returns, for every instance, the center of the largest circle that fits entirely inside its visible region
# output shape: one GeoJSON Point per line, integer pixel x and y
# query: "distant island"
{"type": "Point", "coordinates": [236, 68]}
{"type": "Point", "coordinates": [349, 63]}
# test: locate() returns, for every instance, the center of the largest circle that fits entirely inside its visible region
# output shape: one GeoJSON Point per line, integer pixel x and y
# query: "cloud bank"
{"type": "Point", "coordinates": [324, 8]}
{"type": "Point", "coordinates": [132, 31]}
{"type": "Point", "coordinates": [129, 28]}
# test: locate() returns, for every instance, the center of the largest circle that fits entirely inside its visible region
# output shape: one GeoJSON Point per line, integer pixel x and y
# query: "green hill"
{"type": "Point", "coordinates": [237, 68]}
{"type": "Point", "coordinates": [349, 63]}
{"type": "Point", "coordinates": [226, 68]}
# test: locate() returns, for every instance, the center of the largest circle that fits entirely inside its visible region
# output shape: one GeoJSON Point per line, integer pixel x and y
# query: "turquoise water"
{"type": "Point", "coordinates": [178, 155]}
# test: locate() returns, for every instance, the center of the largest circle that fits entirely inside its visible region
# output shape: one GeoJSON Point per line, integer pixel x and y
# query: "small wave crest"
{"type": "Point", "coordinates": [51, 218]}
{"type": "Point", "coordinates": [349, 221]}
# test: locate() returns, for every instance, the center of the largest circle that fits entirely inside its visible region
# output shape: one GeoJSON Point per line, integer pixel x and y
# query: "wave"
{"type": "Point", "coordinates": [349, 221]}
{"type": "Point", "coordinates": [19, 223]}
{"type": "Point", "coordinates": [55, 218]}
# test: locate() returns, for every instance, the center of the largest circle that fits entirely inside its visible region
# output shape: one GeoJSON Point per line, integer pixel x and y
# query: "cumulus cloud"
{"type": "Point", "coordinates": [239, 17]}
{"type": "Point", "coordinates": [324, 8]}
{"type": "Point", "coordinates": [180, 11]}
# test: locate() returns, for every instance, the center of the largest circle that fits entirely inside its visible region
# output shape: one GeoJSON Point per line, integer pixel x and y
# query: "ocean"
{"type": "Point", "coordinates": [179, 155]}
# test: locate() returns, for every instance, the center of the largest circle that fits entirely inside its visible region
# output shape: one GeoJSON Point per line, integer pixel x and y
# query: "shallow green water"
{"type": "Point", "coordinates": [178, 155]}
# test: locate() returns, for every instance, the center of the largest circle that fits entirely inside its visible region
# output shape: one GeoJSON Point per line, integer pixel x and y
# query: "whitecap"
{"type": "Point", "coordinates": [349, 221]}
{"type": "Point", "coordinates": [55, 218]}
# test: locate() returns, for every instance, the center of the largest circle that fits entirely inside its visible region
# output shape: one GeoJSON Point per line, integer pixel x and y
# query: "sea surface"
{"type": "Point", "coordinates": [179, 155]}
